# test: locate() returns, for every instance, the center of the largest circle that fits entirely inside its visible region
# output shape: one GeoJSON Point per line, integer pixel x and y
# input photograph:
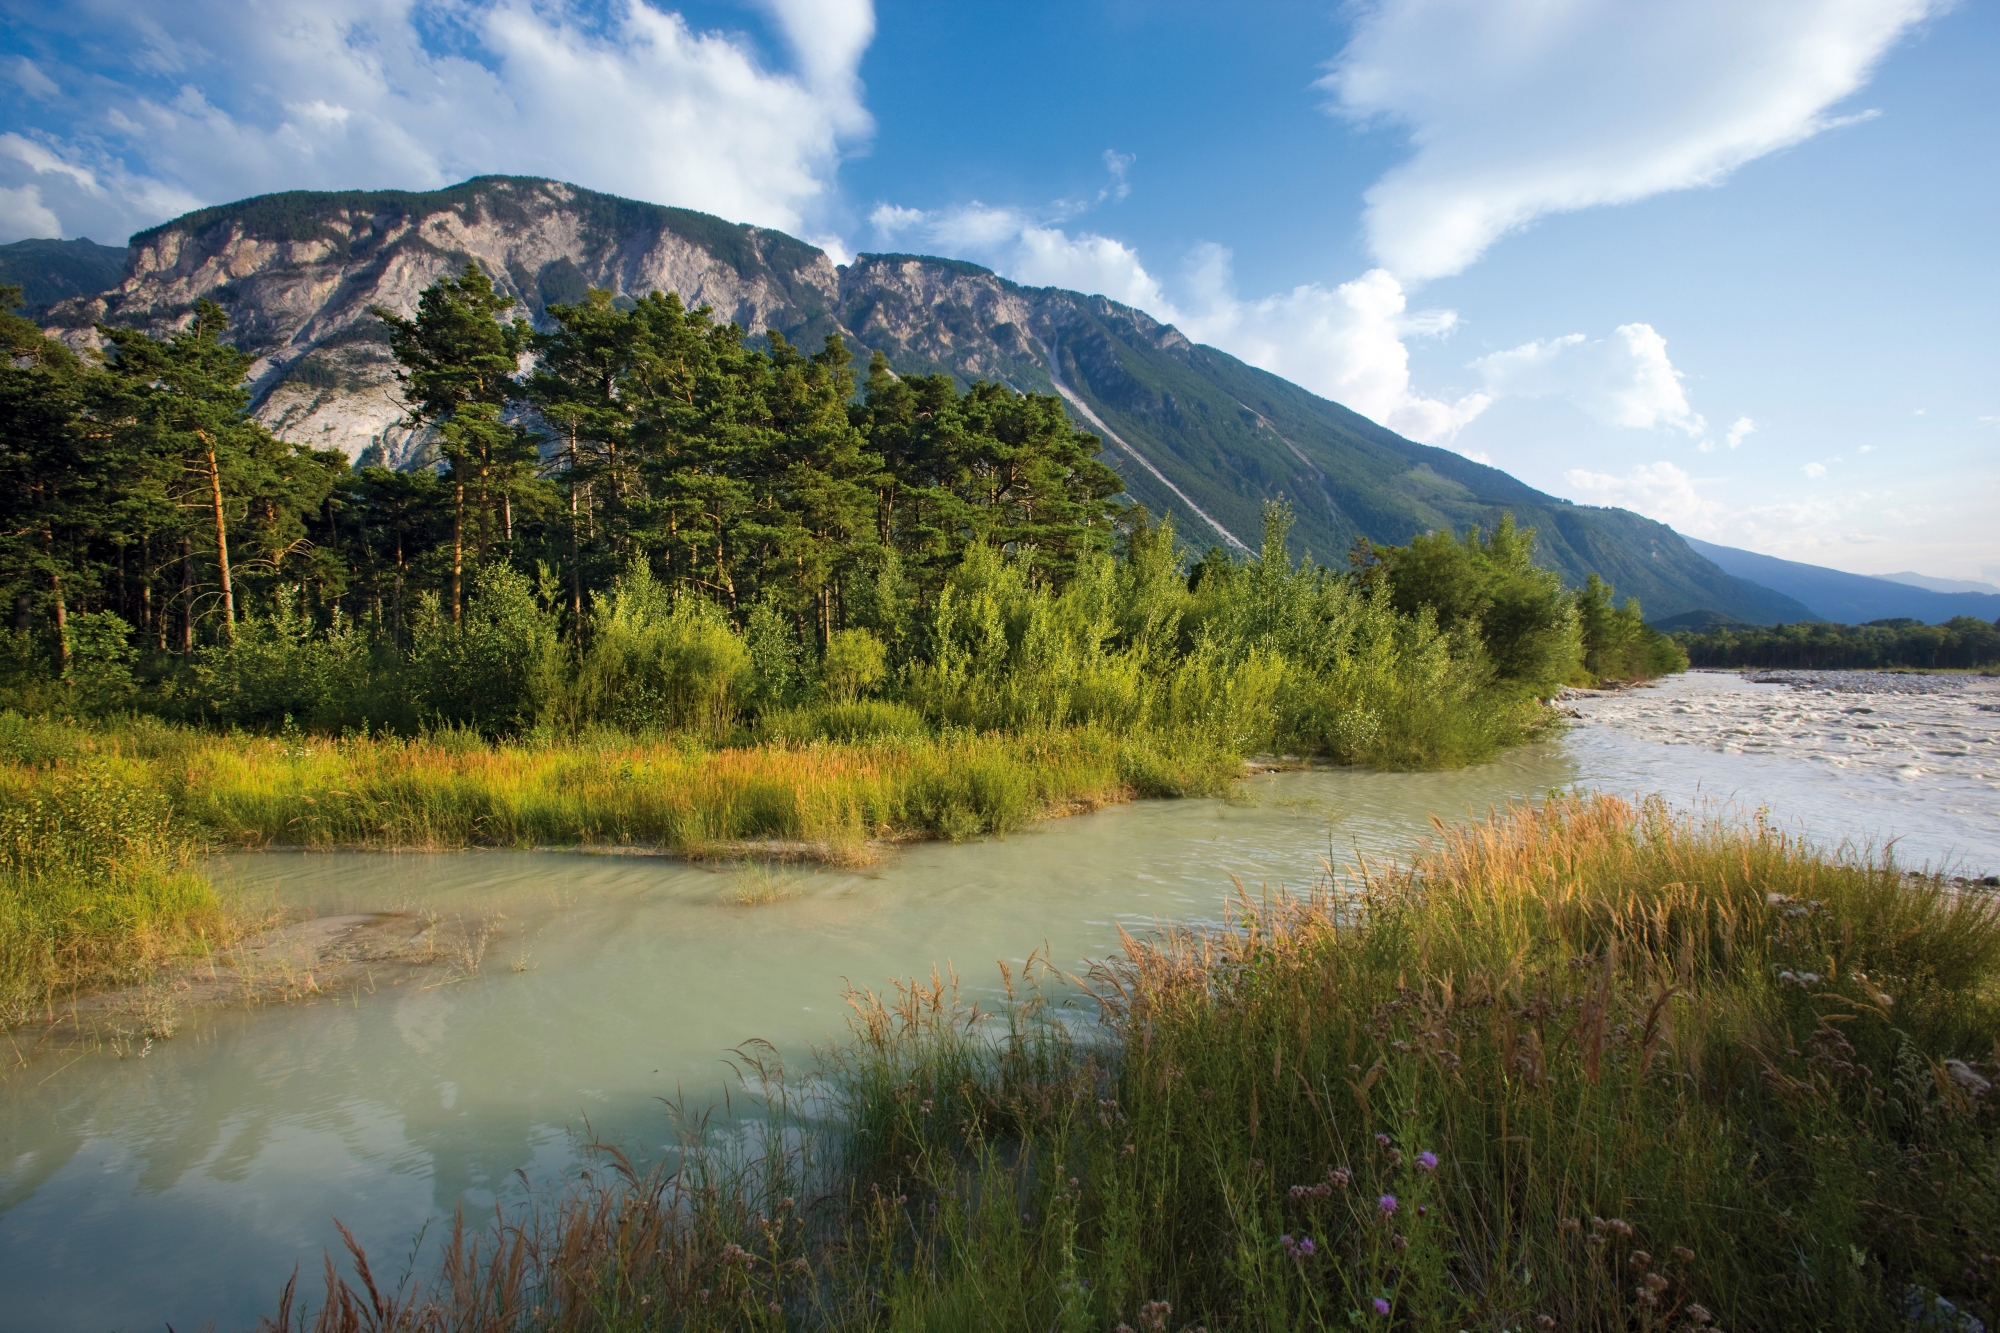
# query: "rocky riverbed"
{"type": "Point", "coordinates": [1872, 758]}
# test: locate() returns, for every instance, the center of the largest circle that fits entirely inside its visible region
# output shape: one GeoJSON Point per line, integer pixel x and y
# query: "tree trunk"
{"type": "Point", "coordinates": [187, 598]}
{"type": "Point", "coordinates": [221, 545]}
{"type": "Point", "coordinates": [575, 550]}
{"type": "Point", "coordinates": [60, 611]}
{"type": "Point", "coordinates": [458, 554]}
{"type": "Point", "coordinates": [396, 625]}
{"type": "Point", "coordinates": [146, 592]}
{"type": "Point", "coordinates": [62, 620]}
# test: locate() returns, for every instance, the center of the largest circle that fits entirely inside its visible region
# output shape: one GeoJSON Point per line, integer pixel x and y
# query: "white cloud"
{"type": "Point", "coordinates": [1814, 470]}
{"type": "Point", "coordinates": [1804, 527]}
{"type": "Point", "coordinates": [1657, 490]}
{"type": "Point", "coordinates": [1623, 380]}
{"type": "Point", "coordinates": [32, 80]}
{"type": "Point", "coordinates": [40, 160]}
{"type": "Point", "coordinates": [347, 93]}
{"type": "Point", "coordinates": [1521, 108]}
{"type": "Point", "coordinates": [1019, 245]}
{"type": "Point", "coordinates": [22, 213]}
{"type": "Point", "coordinates": [1345, 343]}
{"type": "Point", "coordinates": [1119, 165]}
{"type": "Point", "coordinates": [1741, 431]}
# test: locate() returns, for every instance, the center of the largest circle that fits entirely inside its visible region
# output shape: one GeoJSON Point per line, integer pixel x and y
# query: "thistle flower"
{"type": "Point", "coordinates": [1381, 1306]}
{"type": "Point", "coordinates": [1388, 1204]}
{"type": "Point", "coordinates": [1382, 1139]}
{"type": "Point", "coordinates": [1427, 1161]}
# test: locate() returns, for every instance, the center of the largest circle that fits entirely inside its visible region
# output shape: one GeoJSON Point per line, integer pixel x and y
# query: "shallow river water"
{"type": "Point", "coordinates": [182, 1184]}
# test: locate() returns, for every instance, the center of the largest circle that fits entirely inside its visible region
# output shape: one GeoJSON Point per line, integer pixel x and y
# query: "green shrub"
{"type": "Point", "coordinates": [854, 663]}
{"type": "Point", "coordinates": [661, 662]}
{"type": "Point", "coordinates": [500, 669]}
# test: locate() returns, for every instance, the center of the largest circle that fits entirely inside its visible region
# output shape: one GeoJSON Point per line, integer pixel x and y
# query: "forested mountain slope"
{"type": "Point", "coordinates": [49, 271]}
{"type": "Point", "coordinates": [1193, 431]}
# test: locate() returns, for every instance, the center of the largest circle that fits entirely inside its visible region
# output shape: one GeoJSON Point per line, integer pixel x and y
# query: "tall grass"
{"type": "Point", "coordinates": [1589, 1066]}
{"type": "Point", "coordinates": [454, 789]}
{"type": "Point", "coordinates": [96, 883]}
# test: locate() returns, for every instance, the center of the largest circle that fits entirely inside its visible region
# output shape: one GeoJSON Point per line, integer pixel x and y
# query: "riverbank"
{"type": "Point", "coordinates": [1589, 1066]}
{"type": "Point", "coordinates": [98, 885]}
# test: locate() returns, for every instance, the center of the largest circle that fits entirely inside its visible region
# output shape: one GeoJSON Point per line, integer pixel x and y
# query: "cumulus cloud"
{"type": "Point", "coordinates": [1623, 380]}
{"type": "Point", "coordinates": [1025, 247]}
{"type": "Point", "coordinates": [1741, 431]}
{"type": "Point", "coordinates": [351, 93]}
{"type": "Point", "coordinates": [1814, 470]}
{"type": "Point", "coordinates": [22, 213]}
{"type": "Point", "coordinates": [1521, 108]}
{"type": "Point", "coordinates": [1817, 524]}
{"type": "Point", "coordinates": [1346, 342]}
{"type": "Point", "coordinates": [1658, 490]}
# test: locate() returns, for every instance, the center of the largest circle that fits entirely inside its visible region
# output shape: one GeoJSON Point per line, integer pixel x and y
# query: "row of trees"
{"type": "Point", "coordinates": [1962, 642]}
{"type": "Point", "coordinates": [656, 523]}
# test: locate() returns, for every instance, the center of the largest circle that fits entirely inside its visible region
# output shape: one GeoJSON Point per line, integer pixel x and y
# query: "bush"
{"type": "Point", "coordinates": [853, 664]}
{"type": "Point", "coordinates": [281, 667]}
{"type": "Point", "coordinates": [500, 669]}
{"type": "Point", "coordinates": [660, 662]}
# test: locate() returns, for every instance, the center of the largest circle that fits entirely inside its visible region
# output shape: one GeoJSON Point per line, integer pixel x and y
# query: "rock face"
{"type": "Point", "coordinates": [299, 273]}
{"type": "Point", "coordinates": [1195, 433]}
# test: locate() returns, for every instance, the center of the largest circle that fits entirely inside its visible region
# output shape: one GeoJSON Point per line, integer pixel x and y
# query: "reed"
{"type": "Point", "coordinates": [1585, 1066]}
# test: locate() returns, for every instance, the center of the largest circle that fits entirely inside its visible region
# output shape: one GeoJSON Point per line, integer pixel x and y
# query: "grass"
{"type": "Point", "coordinates": [457, 790]}
{"type": "Point", "coordinates": [101, 822]}
{"type": "Point", "coordinates": [97, 885]}
{"type": "Point", "coordinates": [1587, 1066]}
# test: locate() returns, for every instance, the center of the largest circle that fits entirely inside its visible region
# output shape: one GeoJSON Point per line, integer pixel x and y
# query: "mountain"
{"type": "Point", "coordinates": [52, 271]}
{"type": "Point", "coordinates": [1935, 584]}
{"type": "Point", "coordinates": [1852, 599]}
{"type": "Point", "coordinates": [1193, 431]}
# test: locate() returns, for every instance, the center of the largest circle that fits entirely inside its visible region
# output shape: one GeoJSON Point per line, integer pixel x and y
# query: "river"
{"type": "Point", "coordinates": [181, 1182]}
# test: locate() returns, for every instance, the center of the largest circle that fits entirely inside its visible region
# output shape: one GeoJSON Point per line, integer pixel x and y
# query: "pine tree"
{"type": "Point", "coordinates": [458, 365]}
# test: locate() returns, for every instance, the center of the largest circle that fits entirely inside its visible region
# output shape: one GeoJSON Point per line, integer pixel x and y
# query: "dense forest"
{"type": "Point", "coordinates": [638, 518]}
{"type": "Point", "coordinates": [1961, 642]}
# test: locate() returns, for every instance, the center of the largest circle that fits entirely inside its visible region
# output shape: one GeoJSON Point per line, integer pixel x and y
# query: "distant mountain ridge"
{"type": "Point", "coordinates": [1194, 432]}
{"type": "Point", "coordinates": [1851, 599]}
{"type": "Point", "coordinates": [51, 271]}
{"type": "Point", "coordinates": [1935, 584]}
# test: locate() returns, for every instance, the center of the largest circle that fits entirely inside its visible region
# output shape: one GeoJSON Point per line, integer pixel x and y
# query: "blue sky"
{"type": "Point", "coordinates": [1728, 262]}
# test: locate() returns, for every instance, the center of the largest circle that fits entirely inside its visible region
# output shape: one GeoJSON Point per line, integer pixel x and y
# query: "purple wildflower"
{"type": "Point", "coordinates": [1305, 1247]}
{"type": "Point", "coordinates": [1381, 1306]}
{"type": "Point", "coordinates": [1382, 1139]}
{"type": "Point", "coordinates": [1427, 1161]}
{"type": "Point", "coordinates": [1388, 1204]}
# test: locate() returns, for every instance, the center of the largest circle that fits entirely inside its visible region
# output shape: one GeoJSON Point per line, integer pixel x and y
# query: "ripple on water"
{"type": "Point", "coordinates": [1867, 756]}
